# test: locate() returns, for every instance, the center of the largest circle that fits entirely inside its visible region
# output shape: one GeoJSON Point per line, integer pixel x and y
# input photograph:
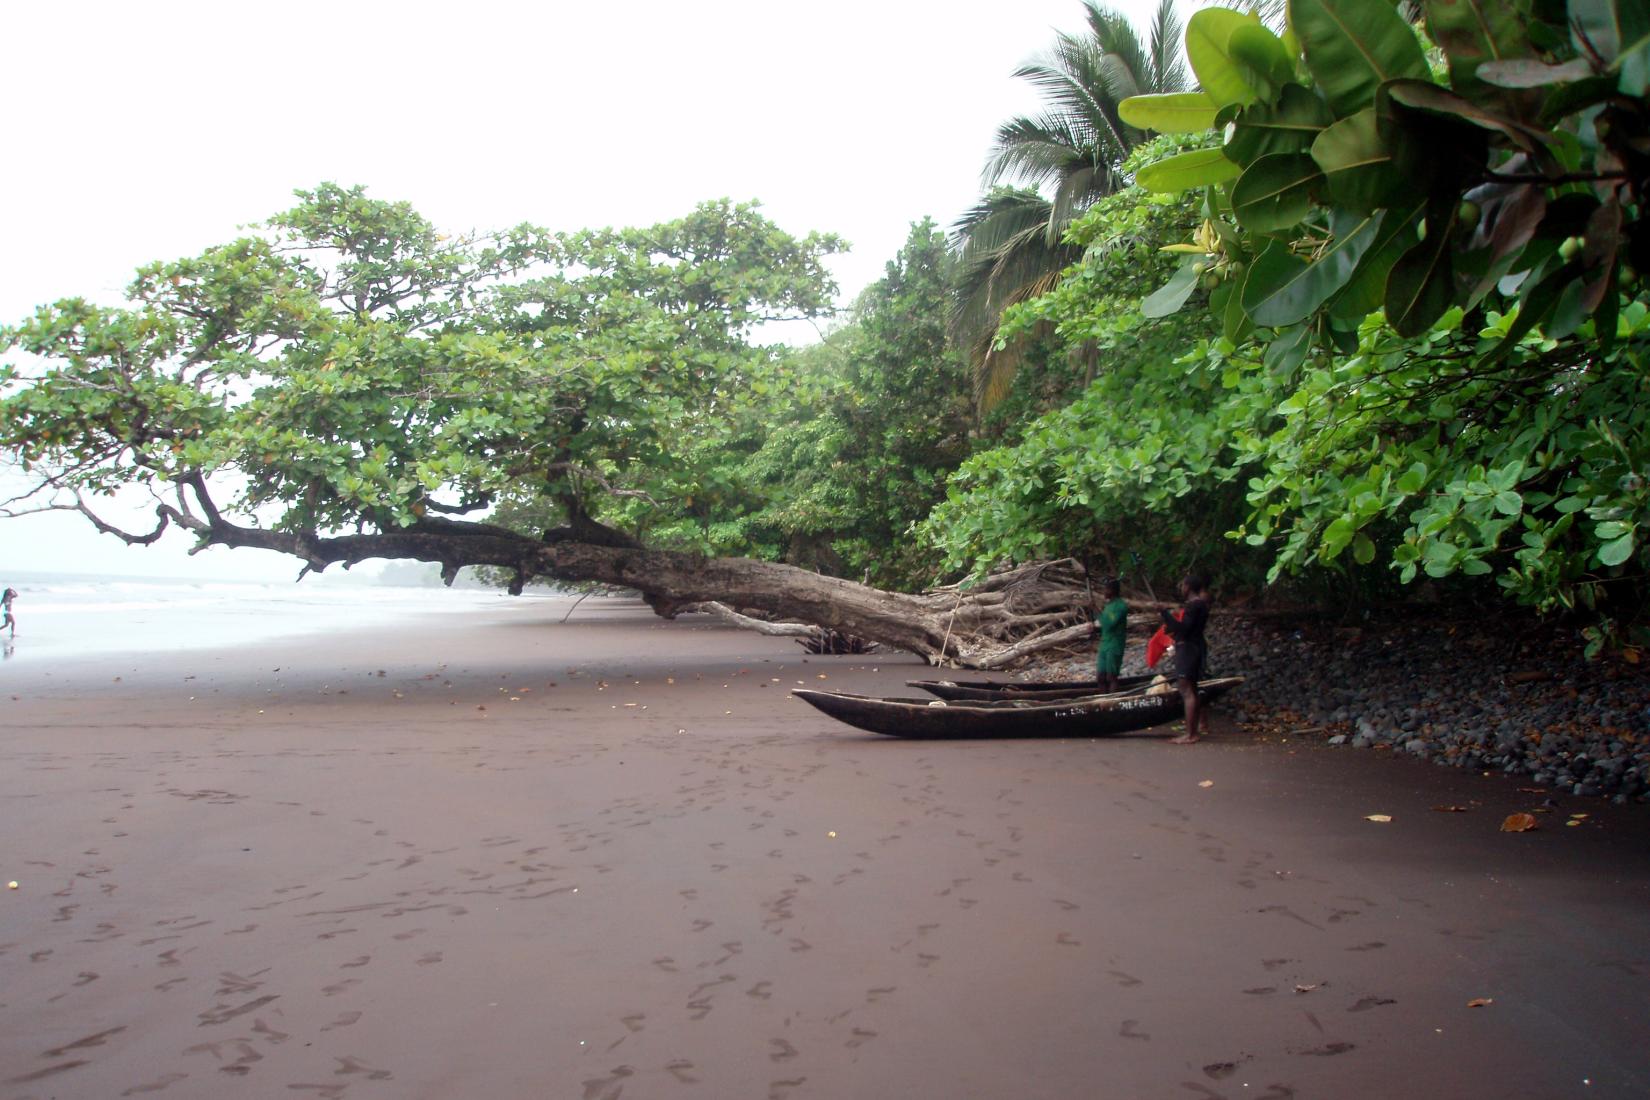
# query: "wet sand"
{"type": "Point", "coordinates": [614, 858]}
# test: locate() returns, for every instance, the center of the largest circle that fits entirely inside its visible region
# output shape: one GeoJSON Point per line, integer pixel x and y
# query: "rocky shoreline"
{"type": "Point", "coordinates": [1490, 696]}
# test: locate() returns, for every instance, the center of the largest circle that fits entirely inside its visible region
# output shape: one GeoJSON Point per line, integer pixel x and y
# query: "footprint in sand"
{"type": "Point", "coordinates": [164, 1081]}
{"type": "Point", "coordinates": [1131, 1030]}
{"type": "Point", "coordinates": [1367, 1003]}
{"type": "Point", "coordinates": [345, 1019]}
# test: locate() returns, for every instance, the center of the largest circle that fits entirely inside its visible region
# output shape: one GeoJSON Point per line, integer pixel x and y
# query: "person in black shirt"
{"type": "Point", "coordinates": [1191, 652]}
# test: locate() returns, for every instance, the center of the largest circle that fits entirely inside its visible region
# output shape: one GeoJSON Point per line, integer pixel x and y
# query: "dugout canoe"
{"type": "Point", "coordinates": [1023, 689]}
{"type": "Point", "coordinates": [1088, 716]}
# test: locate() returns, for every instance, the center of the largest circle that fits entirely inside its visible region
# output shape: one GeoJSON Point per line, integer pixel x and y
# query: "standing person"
{"type": "Point", "coordinates": [1191, 651]}
{"type": "Point", "coordinates": [1113, 620]}
{"type": "Point", "coordinates": [6, 619]}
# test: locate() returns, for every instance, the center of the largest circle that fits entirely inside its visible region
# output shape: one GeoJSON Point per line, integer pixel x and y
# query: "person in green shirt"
{"type": "Point", "coordinates": [1113, 622]}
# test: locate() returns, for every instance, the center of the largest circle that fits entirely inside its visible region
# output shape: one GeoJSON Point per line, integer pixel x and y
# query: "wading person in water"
{"type": "Point", "coordinates": [6, 620]}
{"type": "Point", "coordinates": [1191, 652]}
{"type": "Point", "coordinates": [1113, 624]}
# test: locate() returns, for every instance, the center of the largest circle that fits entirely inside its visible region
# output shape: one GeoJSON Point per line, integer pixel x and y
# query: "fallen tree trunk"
{"type": "Point", "coordinates": [992, 623]}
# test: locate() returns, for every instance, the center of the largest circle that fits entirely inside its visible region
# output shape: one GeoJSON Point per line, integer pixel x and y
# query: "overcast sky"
{"type": "Point", "coordinates": [147, 131]}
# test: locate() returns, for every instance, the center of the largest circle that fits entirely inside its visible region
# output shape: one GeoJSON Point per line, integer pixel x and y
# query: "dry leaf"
{"type": "Point", "coordinates": [1480, 1002]}
{"type": "Point", "coordinates": [1382, 818]}
{"type": "Point", "coordinates": [1450, 809]}
{"type": "Point", "coordinates": [1518, 823]}
{"type": "Point", "coordinates": [1207, 783]}
{"type": "Point", "coordinates": [1579, 817]}
{"type": "Point", "coordinates": [1532, 790]}
{"type": "Point", "coordinates": [1307, 988]}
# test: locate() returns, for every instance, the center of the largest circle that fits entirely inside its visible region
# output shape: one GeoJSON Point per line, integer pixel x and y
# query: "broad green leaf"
{"type": "Point", "coordinates": [1363, 549]}
{"type": "Point", "coordinates": [1184, 171]}
{"type": "Point", "coordinates": [1421, 285]}
{"type": "Point", "coordinates": [1169, 297]}
{"type": "Point", "coordinates": [1612, 529]}
{"type": "Point", "coordinates": [1616, 551]}
{"type": "Point", "coordinates": [1509, 503]}
{"type": "Point", "coordinates": [1367, 291]}
{"type": "Point", "coordinates": [1287, 126]}
{"type": "Point", "coordinates": [1261, 56]}
{"type": "Point", "coordinates": [1473, 32]}
{"type": "Point", "coordinates": [1530, 73]}
{"type": "Point", "coordinates": [1357, 162]}
{"type": "Point", "coordinates": [1607, 27]}
{"type": "Point", "coordinates": [1352, 47]}
{"type": "Point", "coordinates": [1335, 538]}
{"type": "Point", "coordinates": [1273, 268]}
{"type": "Point", "coordinates": [1412, 479]}
{"type": "Point", "coordinates": [1425, 96]}
{"type": "Point", "coordinates": [1208, 36]}
{"type": "Point", "coordinates": [1275, 192]}
{"type": "Point", "coordinates": [1304, 290]}
{"type": "Point", "coordinates": [1175, 113]}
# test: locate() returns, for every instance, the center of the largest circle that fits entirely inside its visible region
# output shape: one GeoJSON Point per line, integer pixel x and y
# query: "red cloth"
{"type": "Point", "coordinates": [1159, 644]}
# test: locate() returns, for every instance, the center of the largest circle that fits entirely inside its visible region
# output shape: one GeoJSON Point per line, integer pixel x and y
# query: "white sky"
{"type": "Point", "coordinates": [148, 131]}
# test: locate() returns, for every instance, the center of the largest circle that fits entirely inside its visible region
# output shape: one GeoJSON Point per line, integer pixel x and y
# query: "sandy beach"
{"type": "Point", "coordinates": [507, 857]}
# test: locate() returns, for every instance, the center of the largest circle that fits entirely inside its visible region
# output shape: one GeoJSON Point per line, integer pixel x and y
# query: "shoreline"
{"type": "Point", "coordinates": [612, 858]}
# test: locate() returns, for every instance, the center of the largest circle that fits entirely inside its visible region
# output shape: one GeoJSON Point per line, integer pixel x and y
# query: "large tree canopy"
{"type": "Point", "coordinates": [351, 384]}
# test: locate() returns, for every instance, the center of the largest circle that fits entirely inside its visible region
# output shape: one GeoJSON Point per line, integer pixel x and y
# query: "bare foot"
{"type": "Point", "coordinates": [1184, 739]}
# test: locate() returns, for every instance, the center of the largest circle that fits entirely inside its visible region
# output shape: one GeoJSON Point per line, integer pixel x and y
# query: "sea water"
{"type": "Point", "coordinates": [66, 615]}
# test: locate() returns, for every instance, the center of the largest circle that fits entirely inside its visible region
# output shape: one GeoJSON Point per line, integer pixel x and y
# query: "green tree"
{"type": "Point", "coordinates": [350, 383]}
{"type": "Point", "coordinates": [1012, 242]}
{"type": "Point", "coordinates": [1430, 278]}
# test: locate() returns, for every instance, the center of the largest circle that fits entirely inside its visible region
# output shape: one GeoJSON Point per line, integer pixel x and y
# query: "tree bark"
{"type": "Point", "coordinates": [993, 623]}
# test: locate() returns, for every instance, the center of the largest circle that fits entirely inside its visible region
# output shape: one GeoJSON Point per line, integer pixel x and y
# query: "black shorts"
{"type": "Point", "coordinates": [1189, 661]}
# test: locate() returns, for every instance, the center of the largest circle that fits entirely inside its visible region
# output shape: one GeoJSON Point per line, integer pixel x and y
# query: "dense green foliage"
{"type": "Point", "coordinates": [1417, 271]}
{"type": "Point", "coordinates": [842, 446]}
{"type": "Point", "coordinates": [354, 368]}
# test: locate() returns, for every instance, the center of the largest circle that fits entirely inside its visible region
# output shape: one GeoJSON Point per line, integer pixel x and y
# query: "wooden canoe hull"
{"type": "Point", "coordinates": [1088, 716]}
{"type": "Point", "coordinates": [1023, 689]}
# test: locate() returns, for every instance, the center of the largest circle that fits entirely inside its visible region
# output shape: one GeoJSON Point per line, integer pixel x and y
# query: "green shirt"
{"type": "Point", "coordinates": [1113, 620]}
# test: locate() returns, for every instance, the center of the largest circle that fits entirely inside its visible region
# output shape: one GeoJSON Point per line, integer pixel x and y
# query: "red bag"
{"type": "Point", "coordinates": [1159, 643]}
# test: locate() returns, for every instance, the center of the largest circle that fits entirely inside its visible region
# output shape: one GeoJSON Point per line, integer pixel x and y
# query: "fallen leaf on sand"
{"type": "Point", "coordinates": [1450, 809]}
{"type": "Point", "coordinates": [1518, 823]}
{"type": "Point", "coordinates": [1532, 790]}
{"type": "Point", "coordinates": [1307, 988]}
{"type": "Point", "coordinates": [1480, 1002]}
{"type": "Point", "coordinates": [1578, 817]}
{"type": "Point", "coordinates": [1382, 818]}
{"type": "Point", "coordinates": [1207, 783]}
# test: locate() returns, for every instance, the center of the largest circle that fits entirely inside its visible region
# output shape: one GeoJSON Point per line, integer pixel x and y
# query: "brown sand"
{"type": "Point", "coordinates": [479, 874]}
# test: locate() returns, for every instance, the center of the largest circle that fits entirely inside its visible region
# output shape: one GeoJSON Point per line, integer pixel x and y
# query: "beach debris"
{"type": "Point", "coordinates": [831, 834]}
{"type": "Point", "coordinates": [1518, 823]}
{"type": "Point", "coordinates": [1578, 817]}
{"type": "Point", "coordinates": [1450, 809]}
{"type": "Point", "coordinates": [1379, 818]}
{"type": "Point", "coordinates": [1307, 988]}
{"type": "Point", "coordinates": [1207, 783]}
{"type": "Point", "coordinates": [12, 885]}
{"type": "Point", "coordinates": [1480, 1002]}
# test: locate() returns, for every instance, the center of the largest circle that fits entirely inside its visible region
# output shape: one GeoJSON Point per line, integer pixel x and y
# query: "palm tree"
{"type": "Point", "coordinates": [1012, 241]}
